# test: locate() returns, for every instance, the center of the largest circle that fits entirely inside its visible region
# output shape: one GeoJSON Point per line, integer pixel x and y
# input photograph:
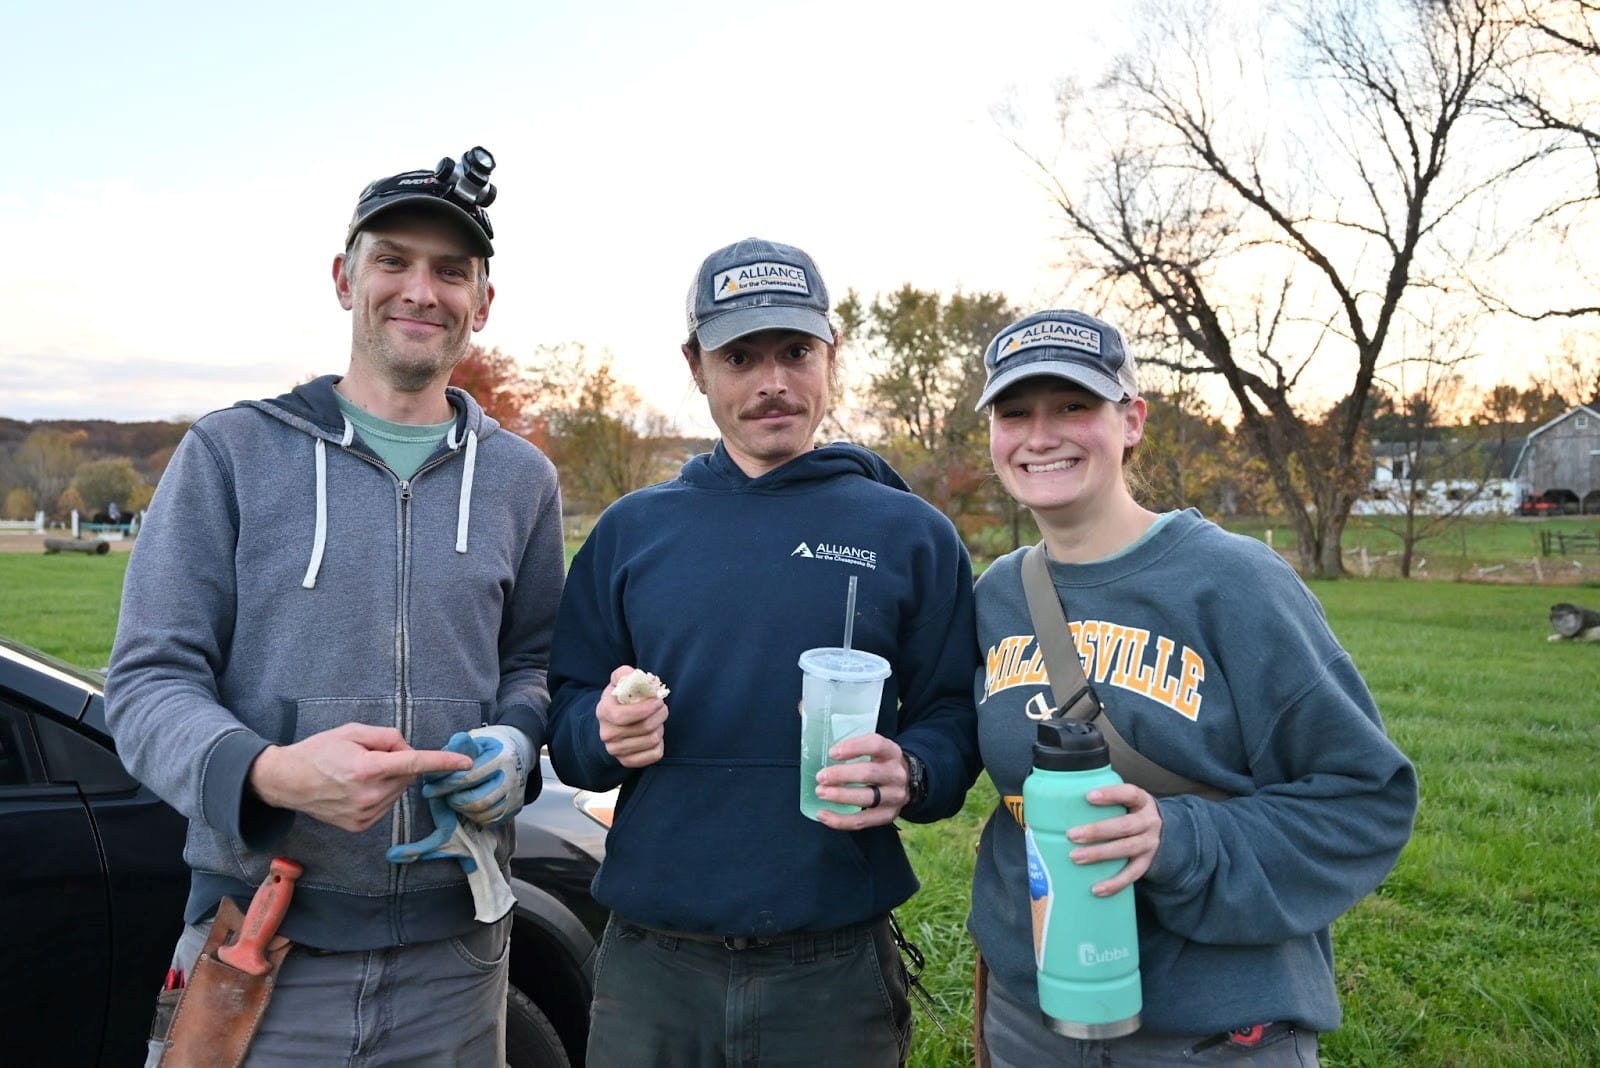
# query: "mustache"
{"type": "Point", "coordinates": [771, 407]}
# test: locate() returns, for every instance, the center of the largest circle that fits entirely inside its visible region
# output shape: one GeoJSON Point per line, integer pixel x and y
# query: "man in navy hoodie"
{"type": "Point", "coordinates": [330, 587]}
{"type": "Point", "coordinates": [742, 931]}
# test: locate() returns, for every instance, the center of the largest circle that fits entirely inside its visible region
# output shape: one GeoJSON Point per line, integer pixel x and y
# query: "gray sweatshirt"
{"type": "Point", "coordinates": [286, 582]}
{"type": "Point", "coordinates": [1214, 660]}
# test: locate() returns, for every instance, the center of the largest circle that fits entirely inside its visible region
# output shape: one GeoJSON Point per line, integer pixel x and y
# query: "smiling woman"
{"type": "Point", "coordinates": [1211, 656]}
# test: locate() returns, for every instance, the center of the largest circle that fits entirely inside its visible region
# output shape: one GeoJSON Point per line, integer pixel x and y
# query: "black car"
{"type": "Point", "coordinates": [93, 886]}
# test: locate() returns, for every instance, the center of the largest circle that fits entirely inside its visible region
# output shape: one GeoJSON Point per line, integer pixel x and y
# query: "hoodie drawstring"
{"type": "Point", "coordinates": [319, 540]}
{"type": "Point", "coordinates": [464, 505]}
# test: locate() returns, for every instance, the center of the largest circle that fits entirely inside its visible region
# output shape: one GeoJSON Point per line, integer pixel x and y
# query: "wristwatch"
{"type": "Point", "coordinates": [916, 778]}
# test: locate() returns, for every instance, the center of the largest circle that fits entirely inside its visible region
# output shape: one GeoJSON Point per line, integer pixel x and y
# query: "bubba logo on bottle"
{"type": "Point", "coordinates": [1089, 954]}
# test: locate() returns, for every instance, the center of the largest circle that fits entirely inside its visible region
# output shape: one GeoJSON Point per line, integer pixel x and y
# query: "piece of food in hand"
{"type": "Point", "coordinates": [639, 686]}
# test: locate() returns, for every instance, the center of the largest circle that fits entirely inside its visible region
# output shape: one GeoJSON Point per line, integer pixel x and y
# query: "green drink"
{"type": "Point", "coordinates": [840, 693]}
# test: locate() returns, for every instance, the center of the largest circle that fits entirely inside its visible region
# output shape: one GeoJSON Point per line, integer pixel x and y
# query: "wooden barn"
{"type": "Point", "coordinates": [1560, 462]}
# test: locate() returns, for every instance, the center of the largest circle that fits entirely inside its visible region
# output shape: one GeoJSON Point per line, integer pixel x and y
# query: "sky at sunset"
{"type": "Point", "coordinates": [180, 174]}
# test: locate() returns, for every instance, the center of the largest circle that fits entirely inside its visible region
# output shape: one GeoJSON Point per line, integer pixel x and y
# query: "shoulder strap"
{"type": "Point", "coordinates": [1075, 698]}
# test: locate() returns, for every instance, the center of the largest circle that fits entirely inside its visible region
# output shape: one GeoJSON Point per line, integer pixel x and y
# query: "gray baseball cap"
{"type": "Point", "coordinates": [756, 285]}
{"type": "Point", "coordinates": [1085, 351]}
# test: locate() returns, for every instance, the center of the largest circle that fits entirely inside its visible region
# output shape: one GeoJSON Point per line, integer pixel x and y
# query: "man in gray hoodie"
{"type": "Point", "coordinates": [341, 594]}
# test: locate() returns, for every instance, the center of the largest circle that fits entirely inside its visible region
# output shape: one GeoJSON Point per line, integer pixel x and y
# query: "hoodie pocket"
{"type": "Point", "coordinates": [723, 848]}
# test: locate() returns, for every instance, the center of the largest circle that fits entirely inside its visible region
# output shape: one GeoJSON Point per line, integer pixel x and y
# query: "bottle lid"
{"type": "Point", "coordinates": [1069, 745]}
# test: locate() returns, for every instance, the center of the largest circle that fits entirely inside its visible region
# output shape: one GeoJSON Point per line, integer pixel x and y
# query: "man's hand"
{"type": "Point", "coordinates": [472, 847]}
{"type": "Point", "coordinates": [633, 733]}
{"type": "Point", "coordinates": [491, 791]}
{"type": "Point", "coordinates": [349, 776]}
{"type": "Point", "coordinates": [1135, 836]}
{"type": "Point", "coordinates": [886, 770]}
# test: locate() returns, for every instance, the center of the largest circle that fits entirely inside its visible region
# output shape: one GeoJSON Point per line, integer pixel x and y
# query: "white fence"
{"type": "Point", "coordinates": [23, 526]}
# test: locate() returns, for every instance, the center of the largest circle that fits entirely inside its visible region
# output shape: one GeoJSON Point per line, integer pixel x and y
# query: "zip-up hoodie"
{"type": "Point", "coordinates": [717, 582]}
{"type": "Point", "coordinates": [287, 582]}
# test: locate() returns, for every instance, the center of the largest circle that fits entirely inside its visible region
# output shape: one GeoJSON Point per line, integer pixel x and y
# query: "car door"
{"type": "Point", "coordinates": [93, 882]}
{"type": "Point", "coordinates": [55, 938]}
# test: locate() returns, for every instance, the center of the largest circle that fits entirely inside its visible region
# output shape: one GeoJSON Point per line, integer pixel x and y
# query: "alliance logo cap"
{"type": "Point", "coordinates": [756, 285]}
{"type": "Point", "coordinates": [1085, 351]}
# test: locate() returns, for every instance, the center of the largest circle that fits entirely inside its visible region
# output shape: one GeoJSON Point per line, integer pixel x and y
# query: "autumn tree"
{"type": "Point", "coordinates": [19, 504]}
{"type": "Point", "coordinates": [102, 482]}
{"type": "Point", "coordinates": [71, 501]}
{"type": "Point", "coordinates": [922, 358]}
{"type": "Point", "coordinates": [501, 388]}
{"type": "Point", "coordinates": [1272, 247]}
{"type": "Point", "coordinates": [1190, 459]}
{"type": "Point", "coordinates": [46, 461]}
{"type": "Point", "coordinates": [602, 437]}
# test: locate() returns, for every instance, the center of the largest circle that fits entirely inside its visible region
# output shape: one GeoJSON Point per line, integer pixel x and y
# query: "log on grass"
{"type": "Point", "coordinates": [1574, 621]}
{"type": "Point", "coordinates": [77, 545]}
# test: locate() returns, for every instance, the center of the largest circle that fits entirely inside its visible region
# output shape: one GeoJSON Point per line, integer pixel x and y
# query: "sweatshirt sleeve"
{"type": "Point", "coordinates": [526, 630]}
{"type": "Point", "coordinates": [1333, 804]}
{"type": "Point", "coordinates": [938, 657]}
{"type": "Point", "coordinates": [590, 642]}
{"type": "Point", "coordinates": [173, 635]}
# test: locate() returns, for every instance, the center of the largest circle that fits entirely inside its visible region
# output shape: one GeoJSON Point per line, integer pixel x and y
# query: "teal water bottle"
{"type": "Point", "coordinates": [1086, 947]}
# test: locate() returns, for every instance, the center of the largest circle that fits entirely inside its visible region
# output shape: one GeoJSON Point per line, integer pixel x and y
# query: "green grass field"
{"type": "Point", "coordinates": [1483, 947]}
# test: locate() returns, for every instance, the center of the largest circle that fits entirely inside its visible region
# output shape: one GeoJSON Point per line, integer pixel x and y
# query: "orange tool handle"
{"type": "Point", "coordinates": [261, 922]}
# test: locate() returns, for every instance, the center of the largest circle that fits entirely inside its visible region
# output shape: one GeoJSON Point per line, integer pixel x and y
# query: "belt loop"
{"type": "Point", "coordinates": [803, 949]}
{"type": "Point", "coordinates": [845, 939]}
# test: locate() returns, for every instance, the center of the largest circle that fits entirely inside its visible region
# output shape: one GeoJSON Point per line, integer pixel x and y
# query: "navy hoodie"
{"type": "Point", "coordinates": [718, 582]}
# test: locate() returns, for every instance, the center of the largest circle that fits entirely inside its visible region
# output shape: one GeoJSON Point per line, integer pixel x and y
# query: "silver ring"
{"type": "Point", "coordinates": [877, 797]}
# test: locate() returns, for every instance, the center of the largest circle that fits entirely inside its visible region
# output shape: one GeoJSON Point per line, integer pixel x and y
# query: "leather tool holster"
{"type": "Point", "coordinates": [221, 1006]}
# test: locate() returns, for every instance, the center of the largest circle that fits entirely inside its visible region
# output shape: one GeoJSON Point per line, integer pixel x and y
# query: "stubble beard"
{"type": "Point", "coordinates": [411, 371]}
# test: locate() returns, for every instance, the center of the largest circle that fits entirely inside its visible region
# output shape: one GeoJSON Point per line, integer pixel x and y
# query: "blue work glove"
{"type": "Point", "coordinates": [473, 847]}
{"type": "Point", "coordinates": [492, 790]}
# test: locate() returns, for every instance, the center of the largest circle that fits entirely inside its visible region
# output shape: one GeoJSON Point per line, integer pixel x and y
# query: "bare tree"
{"type": "Point", "coordinates": [1549, 79]}
{"type": "Point", "coordinates": [1266, 226]}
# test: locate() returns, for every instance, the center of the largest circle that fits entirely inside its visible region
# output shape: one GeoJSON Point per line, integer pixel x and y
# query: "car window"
{"type": "Point", "coordinates": [19, 756]}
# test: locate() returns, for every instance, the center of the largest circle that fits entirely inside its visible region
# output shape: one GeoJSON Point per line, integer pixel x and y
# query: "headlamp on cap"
{"type": "Point", "coordinates": [466, 180]}
{"type": "Point", "coordinates": [459, 188]}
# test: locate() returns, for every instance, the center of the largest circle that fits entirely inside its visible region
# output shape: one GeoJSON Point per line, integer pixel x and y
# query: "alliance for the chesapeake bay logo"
{"type": "Point", "coordinates": [755, 277]}
{"type": "Point", "coordinates": [1071, 335]}
{"type": "Point", "coordinates": [838, 554]}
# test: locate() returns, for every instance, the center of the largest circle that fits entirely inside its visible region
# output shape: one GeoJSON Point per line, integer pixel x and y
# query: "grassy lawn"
{"type": "Point", "coordinates": [1483, 947]}
{"type": "Point", "coordinates": [64, 604]}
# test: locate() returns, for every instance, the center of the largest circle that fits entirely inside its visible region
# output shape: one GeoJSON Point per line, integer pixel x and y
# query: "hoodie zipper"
{"type": "Point", "coordinates": [400, 829]}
